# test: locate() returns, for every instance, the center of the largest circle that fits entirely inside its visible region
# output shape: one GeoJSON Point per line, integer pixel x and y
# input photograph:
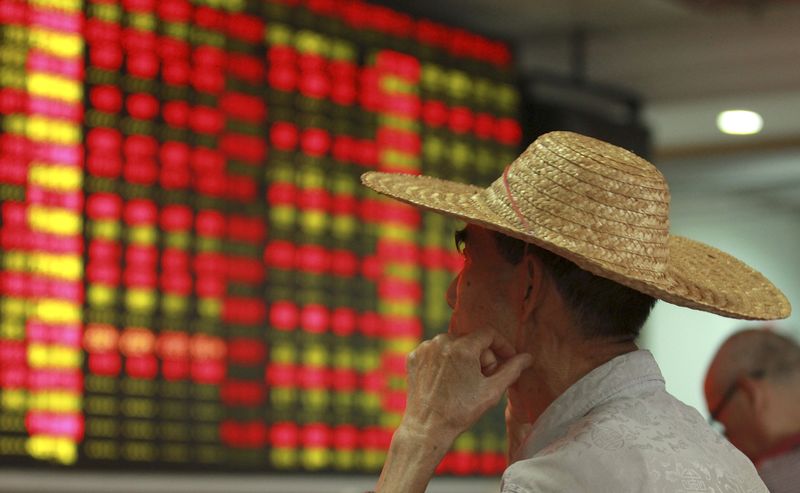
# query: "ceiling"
{"type": "Point", "coordinates": [686, 59]}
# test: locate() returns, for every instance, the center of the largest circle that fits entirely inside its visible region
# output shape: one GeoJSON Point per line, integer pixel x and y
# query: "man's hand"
{"type": "Point", "coordinates": [451, 383]}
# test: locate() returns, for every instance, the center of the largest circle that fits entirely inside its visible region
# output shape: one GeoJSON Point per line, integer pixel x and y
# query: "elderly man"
{"type": "Point", "coordinates": [565, 255]}
{"type": "Point", "coordinates": [753, 389]}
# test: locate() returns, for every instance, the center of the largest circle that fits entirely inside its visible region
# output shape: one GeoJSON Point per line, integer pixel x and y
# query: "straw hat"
{"type": "Point", "coordinates": [605, 209]}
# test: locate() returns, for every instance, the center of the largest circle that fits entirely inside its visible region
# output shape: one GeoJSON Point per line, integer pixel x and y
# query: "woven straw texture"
{"type": "Point", "coordinates": [607, 210]}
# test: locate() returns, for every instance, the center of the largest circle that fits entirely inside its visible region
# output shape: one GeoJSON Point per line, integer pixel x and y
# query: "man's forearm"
{"type": "Point", "coordinates": [411, 461]}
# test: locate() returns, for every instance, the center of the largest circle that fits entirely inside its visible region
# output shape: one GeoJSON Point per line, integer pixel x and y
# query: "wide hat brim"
{"type": "Point", "coordinates": [696, 275]}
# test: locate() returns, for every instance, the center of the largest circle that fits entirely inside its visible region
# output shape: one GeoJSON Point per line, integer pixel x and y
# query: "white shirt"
{"type": "Point", "coordinates": [618, 430]}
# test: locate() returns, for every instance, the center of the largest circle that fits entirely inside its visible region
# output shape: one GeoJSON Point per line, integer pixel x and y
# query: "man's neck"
{"type": "Point", "coordinates": [561, 353]}
{"type": "Point", "coordinates": [557, 366]}
{"type": "Point", "coordinates": [551, 376]}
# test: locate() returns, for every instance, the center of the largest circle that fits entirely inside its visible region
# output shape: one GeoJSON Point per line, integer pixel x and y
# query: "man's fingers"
{"type": "Point", "coordinates": [502, 347]}
{"type": "Point", "coordinates": [488, 362]}
{"type": "Point", "coordinates": [509, 372]}
{"type": "Point", "coordinates": [490, 339]}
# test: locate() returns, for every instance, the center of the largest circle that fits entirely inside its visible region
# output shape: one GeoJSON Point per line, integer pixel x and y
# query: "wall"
{"type": "Point", "coordinates": [746, 205]}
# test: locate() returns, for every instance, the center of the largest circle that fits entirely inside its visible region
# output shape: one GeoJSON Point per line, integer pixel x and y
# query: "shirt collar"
{"type": "Point", "coordinates": [605, 382]}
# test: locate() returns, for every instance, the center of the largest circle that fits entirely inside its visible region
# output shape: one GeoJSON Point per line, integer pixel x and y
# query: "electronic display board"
{"type": "Point", "coordinates": [191, 274]}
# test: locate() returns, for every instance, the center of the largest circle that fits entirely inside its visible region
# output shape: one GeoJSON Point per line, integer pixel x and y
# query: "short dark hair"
{"type": "Point", "coordinates": [600, 307]}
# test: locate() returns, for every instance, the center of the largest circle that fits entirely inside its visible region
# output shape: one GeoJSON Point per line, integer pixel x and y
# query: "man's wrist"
{"type": "Point", "coordinates": [426, 433]}
{"type": "Point", "coordinates": [424, 443]}
{"type": "Point", "coordinates": [413, 456]}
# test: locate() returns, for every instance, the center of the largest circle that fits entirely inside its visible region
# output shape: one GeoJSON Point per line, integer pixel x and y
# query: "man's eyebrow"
{"type": "Point", "coordinates": [460, 237]}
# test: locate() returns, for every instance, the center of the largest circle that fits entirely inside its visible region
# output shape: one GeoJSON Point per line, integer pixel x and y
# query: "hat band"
{"type": "Point", "coordinates": [513, 202]}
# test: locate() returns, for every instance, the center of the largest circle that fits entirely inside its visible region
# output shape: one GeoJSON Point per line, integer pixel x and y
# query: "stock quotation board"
{"type": "Point", "coordinates": [191, 274]}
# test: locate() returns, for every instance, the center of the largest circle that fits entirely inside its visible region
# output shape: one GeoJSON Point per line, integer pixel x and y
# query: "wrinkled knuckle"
{"type": "Point", "coordinates": [461, 349]}
{"type": "Point", "coordinates": [447, 351]}
{"type": "Point", "coordinates": [440, 340]}
{"type": "Point", "coordinates": [421, 348]}
{"type": "Point", "coordinates": [462, 352]}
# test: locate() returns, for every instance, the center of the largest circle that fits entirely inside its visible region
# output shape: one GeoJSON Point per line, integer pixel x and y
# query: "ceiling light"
{"type": "Point", "coordinates": [739, 122]}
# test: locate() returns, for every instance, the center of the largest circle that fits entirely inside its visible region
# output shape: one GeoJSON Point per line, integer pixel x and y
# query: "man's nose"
{"type": "Point", "coordinates": [451, 292]}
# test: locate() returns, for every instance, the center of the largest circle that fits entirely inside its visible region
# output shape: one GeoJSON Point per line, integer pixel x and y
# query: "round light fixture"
{"type": "Point", "coordinates": [739, 122]}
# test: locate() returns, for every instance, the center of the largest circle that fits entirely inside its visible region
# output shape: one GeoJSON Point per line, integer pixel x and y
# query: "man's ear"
{"type": "Point", "coordinates": [534, 282]}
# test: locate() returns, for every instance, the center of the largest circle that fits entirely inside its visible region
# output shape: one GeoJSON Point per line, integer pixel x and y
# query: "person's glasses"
{"type": "Point", "coordinates": [726, 398]}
